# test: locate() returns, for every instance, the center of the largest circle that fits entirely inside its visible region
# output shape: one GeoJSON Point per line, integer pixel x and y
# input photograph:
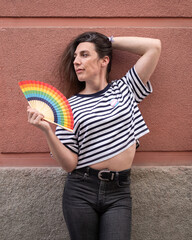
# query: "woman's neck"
{"type": "Point", "coordinates": [94, 86]}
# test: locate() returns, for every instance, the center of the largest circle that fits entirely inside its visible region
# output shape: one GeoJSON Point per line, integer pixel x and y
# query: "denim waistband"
{"type": "Point", "coordinates": [105, 174]}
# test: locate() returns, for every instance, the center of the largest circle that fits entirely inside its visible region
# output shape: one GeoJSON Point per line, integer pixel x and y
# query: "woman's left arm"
{"type": "Point", "coordinates": [148, 48]}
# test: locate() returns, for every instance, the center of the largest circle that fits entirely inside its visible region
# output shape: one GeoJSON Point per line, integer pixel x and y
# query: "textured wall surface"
{"type": "Point", "coordinates": [107, 8]}
{"type": "Point", "coordinates": [30, 203]}
{"type": "Point", "coordinates": [34, 34]}
{"type": "Point", "coordinates": [32, 53]}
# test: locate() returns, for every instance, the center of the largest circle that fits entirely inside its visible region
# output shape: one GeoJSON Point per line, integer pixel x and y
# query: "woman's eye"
{"type": "Point", "coordinates": [85, 54]}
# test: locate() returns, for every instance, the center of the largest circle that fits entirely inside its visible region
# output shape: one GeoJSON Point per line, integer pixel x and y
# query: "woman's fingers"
{"type": "Point", "coordinates": [34, 117]}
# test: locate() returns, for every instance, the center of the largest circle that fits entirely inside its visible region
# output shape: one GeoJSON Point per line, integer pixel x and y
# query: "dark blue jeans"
{"type": "Point", "coordinates": [96, 209]}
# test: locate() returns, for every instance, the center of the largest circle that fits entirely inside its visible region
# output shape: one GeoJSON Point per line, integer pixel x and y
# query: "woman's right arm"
{"type": "Point", "coordinates": [66, 158]}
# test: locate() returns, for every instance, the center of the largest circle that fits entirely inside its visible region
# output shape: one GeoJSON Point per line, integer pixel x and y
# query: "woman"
{"type": "Point", "coordinates": [98, 155]}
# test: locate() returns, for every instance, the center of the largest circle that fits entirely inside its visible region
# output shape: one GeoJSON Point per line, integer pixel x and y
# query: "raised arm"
{"type": "Point", "coordinates": [148, 48]}
{"type": "Point", "coordinates": [66, 158]}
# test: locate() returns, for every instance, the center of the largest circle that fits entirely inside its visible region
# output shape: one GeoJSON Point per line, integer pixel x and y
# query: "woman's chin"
{"type": "Point", "coordinates": [81, 79]}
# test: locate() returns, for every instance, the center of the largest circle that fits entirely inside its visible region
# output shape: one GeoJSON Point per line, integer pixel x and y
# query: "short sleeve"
{"type": "Point", "coordinates": [139, 89]}
{"type": "Point", "coordinates": [68, 139]}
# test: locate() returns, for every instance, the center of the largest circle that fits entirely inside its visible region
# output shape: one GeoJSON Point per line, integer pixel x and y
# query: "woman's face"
{"type": "Point", "coordinates": [87, 63]}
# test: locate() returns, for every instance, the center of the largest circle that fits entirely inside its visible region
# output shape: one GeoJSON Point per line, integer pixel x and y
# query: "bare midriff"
{"type": "Point", "coordinates": [119, 162]}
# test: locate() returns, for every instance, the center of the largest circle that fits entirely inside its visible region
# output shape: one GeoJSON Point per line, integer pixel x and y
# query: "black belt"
{"type": "Point", "coordinates": [105, 175]}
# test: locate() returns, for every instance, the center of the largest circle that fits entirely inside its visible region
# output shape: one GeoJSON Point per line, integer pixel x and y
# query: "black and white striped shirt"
{"type": "Point", "coordinates": [107, 122]}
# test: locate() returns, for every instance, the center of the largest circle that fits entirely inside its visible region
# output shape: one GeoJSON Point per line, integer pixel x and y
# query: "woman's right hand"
{"type": "Point", "coordinates": [67, 159]}
{"type": "Point", "coordinates": [36, 119]}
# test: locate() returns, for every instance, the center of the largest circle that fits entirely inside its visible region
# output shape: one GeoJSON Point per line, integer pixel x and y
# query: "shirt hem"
{"type": "Point", "coordinates": [105, 159]}
{"type": "Point", "coordinates": [115, 154]}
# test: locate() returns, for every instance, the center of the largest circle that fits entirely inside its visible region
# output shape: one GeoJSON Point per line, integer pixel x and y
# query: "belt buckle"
{"type": "Point", "coordinates": [105, 179]}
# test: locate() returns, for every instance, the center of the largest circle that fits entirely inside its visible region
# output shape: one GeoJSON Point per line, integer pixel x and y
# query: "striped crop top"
{"type": "Point", "coordinates": [107, 122]}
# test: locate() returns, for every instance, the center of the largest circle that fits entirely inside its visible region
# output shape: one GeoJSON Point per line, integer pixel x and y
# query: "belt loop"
{"type": "Point", "coordinates": [87, 171]}
{"type": "Point", "coordinates": [116, 176]}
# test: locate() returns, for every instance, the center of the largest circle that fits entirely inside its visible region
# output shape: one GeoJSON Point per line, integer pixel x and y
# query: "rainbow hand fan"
{"type": "Point", "coordinates": [48, 101]}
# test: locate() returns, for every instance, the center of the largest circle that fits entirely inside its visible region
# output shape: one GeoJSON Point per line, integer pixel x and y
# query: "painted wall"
{"type": "Point", "coordinates": [34, 34]}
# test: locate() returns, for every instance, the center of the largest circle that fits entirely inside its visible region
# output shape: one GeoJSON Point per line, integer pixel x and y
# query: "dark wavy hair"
{"type": "Point", "coordinates": [67, 73]}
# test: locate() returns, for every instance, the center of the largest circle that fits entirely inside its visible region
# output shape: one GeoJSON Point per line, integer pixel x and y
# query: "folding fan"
{"type": "Point", "coordinates": [50, 102]}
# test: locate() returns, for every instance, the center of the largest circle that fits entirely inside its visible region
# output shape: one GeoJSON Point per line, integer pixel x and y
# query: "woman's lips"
{"type": "Point", "coordinates": [79, 70]}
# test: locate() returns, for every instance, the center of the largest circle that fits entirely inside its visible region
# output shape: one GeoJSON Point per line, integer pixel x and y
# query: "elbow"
{"type": "Point", "coordinates": [155, 49]}
{"type": "Point", "coordinates": [70, 165]}
{"type": "Point", "coordinates": [69, 168]}
{"type": "Point", "coordinates": [158, 45]}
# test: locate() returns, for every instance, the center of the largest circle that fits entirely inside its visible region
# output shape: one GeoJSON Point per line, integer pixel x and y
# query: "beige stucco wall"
{"type": "Point", "coordinates": [31, 203]}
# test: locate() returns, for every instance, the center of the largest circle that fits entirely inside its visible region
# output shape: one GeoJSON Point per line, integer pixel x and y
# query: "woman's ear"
{"type": "Point", "coordinates": [105, 61]}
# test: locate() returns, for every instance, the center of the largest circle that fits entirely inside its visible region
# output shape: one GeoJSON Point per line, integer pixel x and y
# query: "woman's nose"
{"type": "Point", "coordinates": [76, 60]}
